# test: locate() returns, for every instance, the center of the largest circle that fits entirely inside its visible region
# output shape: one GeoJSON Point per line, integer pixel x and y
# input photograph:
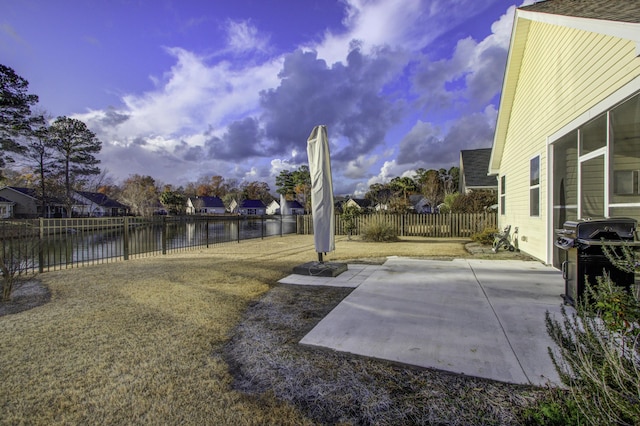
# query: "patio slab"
{"type": "Point", "coordinates": [482, 318]}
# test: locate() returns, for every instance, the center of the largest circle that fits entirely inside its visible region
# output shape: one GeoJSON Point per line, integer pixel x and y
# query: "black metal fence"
{"type": "Point", "coordinates": [39, 245]}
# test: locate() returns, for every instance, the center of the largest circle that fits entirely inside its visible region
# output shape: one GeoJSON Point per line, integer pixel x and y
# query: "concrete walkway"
{"type": "Point", "coordinates": [482, 318]}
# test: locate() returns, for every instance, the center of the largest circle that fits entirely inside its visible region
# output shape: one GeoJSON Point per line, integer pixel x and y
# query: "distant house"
{"type": "Point", "coordinates": [361, 203]}
{"type": "Point", "coordinates": [291, 207]}
{"type": "Point", "coordinates": [29, 204]}
{"type": "Point", "coordinates": [95, 204]}
{"type": "Point", "coordinates": [233, 207]}
{"type": "Point", "coordinates": [474, 169]}
{"type": "Point", "coordinates": [252, 208]}
{"type": "Point", "coordinates": [419, 204]}
{"type": "Point", "coordinates": [205, 205]}
{"type": "Point", "coordinates": [285, 207]}
{"type": "Point", "coordinates": [6, 208]}
{"type": "Point", "coordinates": [273, 208]}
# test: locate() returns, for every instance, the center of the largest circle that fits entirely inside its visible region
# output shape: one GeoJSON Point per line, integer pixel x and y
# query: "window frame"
{"type": "Point", "coordinates": [534, 186]}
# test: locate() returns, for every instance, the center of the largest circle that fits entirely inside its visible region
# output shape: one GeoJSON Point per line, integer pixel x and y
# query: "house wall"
{"type": "Point", "coordinates": [25, 205]}
{"type": "Point", "coordinates": [564, 72]}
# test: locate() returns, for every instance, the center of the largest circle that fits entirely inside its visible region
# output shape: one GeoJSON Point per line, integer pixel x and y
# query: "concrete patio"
{"type": "Point", "coordinates": [482, 318]}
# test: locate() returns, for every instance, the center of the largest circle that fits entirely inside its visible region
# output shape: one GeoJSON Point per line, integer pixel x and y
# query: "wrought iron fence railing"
{"type": "Point", "coordinates": [39, 245]}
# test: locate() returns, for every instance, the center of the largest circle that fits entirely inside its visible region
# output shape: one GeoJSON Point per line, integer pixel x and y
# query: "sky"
{"type": "Point", "coordinates": [181, 89]}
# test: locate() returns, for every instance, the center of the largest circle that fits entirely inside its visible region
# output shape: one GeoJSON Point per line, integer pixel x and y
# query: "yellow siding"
{"type": "Point", "coordinates": [564, 72]}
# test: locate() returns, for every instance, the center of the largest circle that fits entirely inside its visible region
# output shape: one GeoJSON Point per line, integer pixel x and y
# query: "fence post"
{"type": "Point", "coordinates": [125, 238]}
{"type": "Point", "coordinates": [238, 230]}
{"type": "Point", "coordinates": [164, 235]}
{"type": "Point", "coordinates": [206, 232]}
{"type": "Point", "coordinates": [40, 247]}
{"type": "Point", "coordinates": [262, 227]}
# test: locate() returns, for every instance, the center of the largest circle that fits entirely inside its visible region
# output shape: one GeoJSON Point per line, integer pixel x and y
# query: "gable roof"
{"type": "Point", "coordinates": [293, 204]}
{"type": "Point", "coordinates": [252, 204]}
{"type": "Point", "coordinates": [208, 202]}
{"type": "Point", "coordinates": [101, 199]}
{"type": "Point", "coordinates": [474, 163]}
{"type": "Point", "coordinates": [616, 18]}
{"type": "Point", "coordinates": [4, 200]}
{"type": "Point", "coordinates": [33, 193]}
{"type": "Point", "coordinates": [362, 202]}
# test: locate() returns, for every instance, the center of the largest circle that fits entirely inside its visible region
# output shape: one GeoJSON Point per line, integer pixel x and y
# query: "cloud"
{"type": "Point", "coordinates": [426, 144]}
{"type": "Point", "coordinates": [246, 115]}
{"type": "Point", "coordinates": [243, 37]}
{"type": "Point", "coordinates": [242, 140]}
{"type": "Point", "coordinates": [472, 76]}
{"type": "Point", "coordinates": [345, 98]}
{"type": "Point", "coordinates": [359, 167]}
{"type": "Point", "coordinates": [404, 25]}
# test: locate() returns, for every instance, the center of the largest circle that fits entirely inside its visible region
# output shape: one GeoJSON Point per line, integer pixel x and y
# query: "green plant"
{"type": "Point", "coordinates": [349, 215]}
{"type": "Point", "coordinates": [485, 237]}
{"type": "Point", "coordinates": [379, 232]}
{"type": "Point", "coordinates": [598, 353]}
{"type": "Point", "coordinates": [556, 408]}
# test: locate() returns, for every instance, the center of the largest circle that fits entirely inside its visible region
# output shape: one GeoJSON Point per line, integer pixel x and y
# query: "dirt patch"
{"type": "Point", "coordinates": [338, 388]}
{"type": "Point", "coordinates": [27, 294]}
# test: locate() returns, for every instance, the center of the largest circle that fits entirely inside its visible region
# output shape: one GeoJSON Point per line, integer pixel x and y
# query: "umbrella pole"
{"type": "Point", "coordinates": [320, 257]}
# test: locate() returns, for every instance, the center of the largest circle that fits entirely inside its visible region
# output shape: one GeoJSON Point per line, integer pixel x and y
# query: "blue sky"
{"type": "Point", "coordinates": [183, 89]}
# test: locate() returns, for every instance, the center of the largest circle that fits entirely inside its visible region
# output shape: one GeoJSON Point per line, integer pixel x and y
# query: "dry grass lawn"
{"type": "Point", "coordinates": [143, 341]}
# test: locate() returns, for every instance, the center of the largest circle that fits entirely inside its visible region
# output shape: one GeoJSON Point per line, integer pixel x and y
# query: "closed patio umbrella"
{"type": "Point", "coordinates": [321, 191]}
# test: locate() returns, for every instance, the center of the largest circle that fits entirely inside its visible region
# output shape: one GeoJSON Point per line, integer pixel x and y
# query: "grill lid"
{"type": "Point", "coordinates": [593, 232]}
{"type": "Point", "coordinates": [621, 228]}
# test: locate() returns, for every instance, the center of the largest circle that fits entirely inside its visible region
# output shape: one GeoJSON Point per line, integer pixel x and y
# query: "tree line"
{"type": "Point", "coordinates": [58, 156]}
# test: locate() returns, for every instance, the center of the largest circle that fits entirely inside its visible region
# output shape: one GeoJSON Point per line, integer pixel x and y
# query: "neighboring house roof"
{"type": "Point", "coordinates": [293, 204]}
{"type": "Point", "coordinates": [101, 200]}
{"type": "Point", "coordinates": [362, 202]}
{"type": "Point", "coordinates": [252, 204]}
{"type": "Point", "coordinates": [474, 163]}
{"type": "Point", "coordinates": [33, 193]}
{"type": "Point", "coordinates": [4, 200]}
{"type": "Point", "coordinates": [207, 202]}
{"type": "Point", "coordinates": [614, 18]}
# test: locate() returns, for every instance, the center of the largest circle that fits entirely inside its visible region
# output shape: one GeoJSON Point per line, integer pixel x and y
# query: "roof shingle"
{"type": "Point", "coordinates": [608, 10]}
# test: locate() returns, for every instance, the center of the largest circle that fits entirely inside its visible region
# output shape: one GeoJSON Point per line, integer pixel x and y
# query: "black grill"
{"type": "Point", "coordinates": [582, 243]}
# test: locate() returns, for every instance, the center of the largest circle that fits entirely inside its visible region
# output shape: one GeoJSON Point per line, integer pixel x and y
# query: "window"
{"type": "Point", "coordinates": [503, 186]}
{"type": "Point", "coordinates": [534, 186]}
{"type": "Point", "coordinates": [625, 161]}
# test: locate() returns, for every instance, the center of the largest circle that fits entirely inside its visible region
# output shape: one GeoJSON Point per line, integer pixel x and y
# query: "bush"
{"type": "Point", "coordinates": [598, 354]}
{"type": "Point", "coordinates": [349, 215]}
{"type": "Point", "coordinates": [380, 232]}
{"type": "Point", "coordinates": [485, 237]}
{"type": "Point", "coordinates": [556, 408]}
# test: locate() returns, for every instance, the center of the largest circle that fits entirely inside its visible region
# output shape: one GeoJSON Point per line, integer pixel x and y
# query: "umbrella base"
{"type": "Point", "coordinates": [324, 269]}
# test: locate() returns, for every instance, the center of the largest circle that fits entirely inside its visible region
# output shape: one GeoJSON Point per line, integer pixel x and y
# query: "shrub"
{"type": "Point", "coordinates": [598, 354]}
{"type": "Point", "coordinates": [349, 215]}
{"type": "Point", "coordinates": [555, 408]}
{"type": "Point", "coordinates": [485, 237]}
{"type": "Point", "coordinates": [380, 232]}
